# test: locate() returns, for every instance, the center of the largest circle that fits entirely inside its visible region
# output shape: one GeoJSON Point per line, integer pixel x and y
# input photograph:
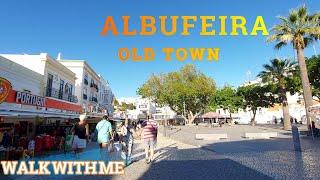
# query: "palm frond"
{"type": "Point", "coordinates": [280, 45]}
{"type": "Point", "coordinates": [298, 28]}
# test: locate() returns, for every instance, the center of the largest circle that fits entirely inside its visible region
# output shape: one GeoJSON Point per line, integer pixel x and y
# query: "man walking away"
{"type": "Point", "coordinates": [104, 130]}
{"type": "Point", "coordinates": [149, 134]}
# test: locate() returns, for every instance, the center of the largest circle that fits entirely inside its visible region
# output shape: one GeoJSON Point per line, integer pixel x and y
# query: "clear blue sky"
{"type": "Point", "coordinates": [73, 28]}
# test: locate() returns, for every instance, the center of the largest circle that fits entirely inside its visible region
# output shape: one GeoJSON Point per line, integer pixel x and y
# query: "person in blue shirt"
{"type": "Point", "coordinates": [104, 130]}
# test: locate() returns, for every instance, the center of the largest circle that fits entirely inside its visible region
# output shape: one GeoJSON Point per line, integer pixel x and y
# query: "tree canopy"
{"type": "Point", "coordinates": [126, 106]}
{"type": "Point", "coordinates": [226, 98]}
{"type": "Point", "coordinates": [300, 29]}
{"type": "Point", "coordinates": [256, 95]}
{"type": "Point", "coordinates": [313, 66]}
{"type": "Point", "coordinates": [187, 90]}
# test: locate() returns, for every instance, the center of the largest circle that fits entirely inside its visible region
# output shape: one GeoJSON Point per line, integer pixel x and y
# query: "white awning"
{"type": "Point", "coordinates": [37, 114]}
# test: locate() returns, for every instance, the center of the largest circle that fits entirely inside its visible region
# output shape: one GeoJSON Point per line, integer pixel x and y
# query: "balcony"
{"type": "Point", "coordinates": [85, 82]}
{"type": "Point", "coordinates": [94, 99]}
{"type": "Point", "coordinates": [55, 93]}
{"type": "Point", "coordinates": [93, 85]}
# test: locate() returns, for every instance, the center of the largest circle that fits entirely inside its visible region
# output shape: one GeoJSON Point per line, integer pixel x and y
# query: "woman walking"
{"type": "Point", "coordinates": [81, 133]}
{"type": "Point", "coordinates": [127, 132]}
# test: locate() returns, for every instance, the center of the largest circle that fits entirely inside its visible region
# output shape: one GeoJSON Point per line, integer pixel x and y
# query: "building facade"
{"type": "Point", "coordinates": [58, 81]}
{"type": "Point", "coordinates": [106, 95]}
{"type": "Point", "coordinates": [23, 104]}
{"type": "Point", "coordinates": [164, 113]}
{"type": "Point", "coordinates": [91, 89]}
{"type": "Point", "coordinates": [273, 114]}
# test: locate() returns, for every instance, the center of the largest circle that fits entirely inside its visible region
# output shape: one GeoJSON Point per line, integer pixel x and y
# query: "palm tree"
{"type": "Point", "coordinates": [299, 29]}
{"type": "Point", "coordinates": [277, 72]}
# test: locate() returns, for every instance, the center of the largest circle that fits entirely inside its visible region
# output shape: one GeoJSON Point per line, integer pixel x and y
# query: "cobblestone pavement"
{"type": "Point", "coordinates": [273, 157]}
{"type": "Point", "coordinates": [175, 160]}
{"type": "Point", "coordinates": [180, 157]}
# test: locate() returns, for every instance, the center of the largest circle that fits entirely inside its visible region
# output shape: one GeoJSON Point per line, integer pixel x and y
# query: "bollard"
{"type": "Point", "coordinates": [296, 138]}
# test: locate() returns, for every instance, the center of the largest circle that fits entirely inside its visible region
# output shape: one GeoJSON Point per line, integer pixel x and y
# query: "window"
{"type": "Point", "coordinates": [70, 89]}
{"type": "Point", "coordinates": [85, 81]}
{"type": "Point", "coordinates": [66, 88]}
{"type": "Point", "coordinates": [85, 96]}
{"type": "Point", "coordinates": [49, 85]}
{"type": "Point", "coordinates": [61, 88]}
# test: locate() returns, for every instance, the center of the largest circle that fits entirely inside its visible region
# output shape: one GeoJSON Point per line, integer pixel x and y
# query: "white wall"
{"type": "Point", "coordinates": [21, 78]}
{"type": "Point", "coordinates": [33, 62]}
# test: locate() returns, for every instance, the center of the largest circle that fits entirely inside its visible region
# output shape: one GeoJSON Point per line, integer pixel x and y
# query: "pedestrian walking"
{"type": "Point", "coordinates": [80, 134]}
{"type": "Point", "coordinates": [149, 135]}
{"type": "Point", "coordinates": [127, 131]}
{"type": "Point", "coordinates": [104, 132]}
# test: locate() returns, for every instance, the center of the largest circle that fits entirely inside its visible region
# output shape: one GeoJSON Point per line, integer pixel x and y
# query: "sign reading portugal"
{"type": "Point", "coordinates": [5, 87]}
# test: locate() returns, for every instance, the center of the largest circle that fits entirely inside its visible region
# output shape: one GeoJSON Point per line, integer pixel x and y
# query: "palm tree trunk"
{"type": "Point", "coordinates": [286, 116]}
{"type": "Point", "coordinates": [307, 94]}
{"type": "Point", "coordinates": [285, 109]}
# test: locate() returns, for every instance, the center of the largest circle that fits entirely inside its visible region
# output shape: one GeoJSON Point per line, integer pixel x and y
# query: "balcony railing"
{"type": "Point", "coordinates": [86, 82]}
{"type": "Point", "coordinates": [55, 93]}
{"type": "Point", "coordinates": [94, 99]}
{"type": "Point", "coordinates": [93, 85]}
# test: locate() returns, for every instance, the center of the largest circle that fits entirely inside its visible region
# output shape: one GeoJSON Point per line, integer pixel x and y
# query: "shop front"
{"type": "Point", "coordinates": [32, 124]}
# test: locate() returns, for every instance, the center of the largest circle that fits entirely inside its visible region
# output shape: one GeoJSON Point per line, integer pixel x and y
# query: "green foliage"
{"type": "Point", "coordinates": [280, 73]}
{"type": "Point", "coordinates": [299, 29]}
{"type": "Point", "coordinates": [187, 88]}
{"type": "Point", "coordinates": [115, 102]}
{"type": "Point", "coordinates": [255, 96]}
{"type": "Point", "coordinates": [124, 106]}
{"type": "Point", "coordinates": [226, 98]}
{"type": "Point", "coordinates": [313, 66]}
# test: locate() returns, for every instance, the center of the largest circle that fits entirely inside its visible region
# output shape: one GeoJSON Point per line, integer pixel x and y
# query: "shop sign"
{"type": "Point", "coordinates": [5, 88]}
{"type": "Point", "coordinates": [30, 99]}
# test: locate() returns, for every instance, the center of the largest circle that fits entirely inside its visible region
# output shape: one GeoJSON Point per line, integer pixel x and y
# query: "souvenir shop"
{"type": "Point", "coordinates": [31, 124]}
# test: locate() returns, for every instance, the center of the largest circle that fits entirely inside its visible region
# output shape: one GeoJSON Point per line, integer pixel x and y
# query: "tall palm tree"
{"type": "Point", "coordinates": [276, 72]}
{"type": "Point", "coordinates": [299, 29]}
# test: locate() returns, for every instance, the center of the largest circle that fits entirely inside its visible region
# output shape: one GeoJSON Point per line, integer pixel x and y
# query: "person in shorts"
{"type": "Point", "coordinates": [104, 131]}
{"type": "Point", "coordinates": [149, 136]}
{"type": "Point", "coordinates": [81, 133]}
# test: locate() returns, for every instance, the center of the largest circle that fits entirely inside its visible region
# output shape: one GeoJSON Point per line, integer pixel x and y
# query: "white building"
{"type": "Point", "coordinates": [268, 115]}
{"type": "Point", "coordinates": [93, 91]}
{"type": "Point", "coordinates": [164, 113]}
{"type": "Point", "coordinates": [145, 106]}
{"type": "Point", "coordinates": [106, 96]}
{"type": "Point", "coordinates": [21, 78]}
{"type": "Point", "coordinates": [22, 100]}
{"type": "Point", "coordinates": [58, 81]}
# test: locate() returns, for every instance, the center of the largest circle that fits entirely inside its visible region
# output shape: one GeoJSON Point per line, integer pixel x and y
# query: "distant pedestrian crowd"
{"type": "Point", "coordinates": [122, 140]}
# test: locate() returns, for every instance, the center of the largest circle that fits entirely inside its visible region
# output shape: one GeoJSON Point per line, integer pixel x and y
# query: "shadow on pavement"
{"type": "Point", "coordinates": [219, 168]}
